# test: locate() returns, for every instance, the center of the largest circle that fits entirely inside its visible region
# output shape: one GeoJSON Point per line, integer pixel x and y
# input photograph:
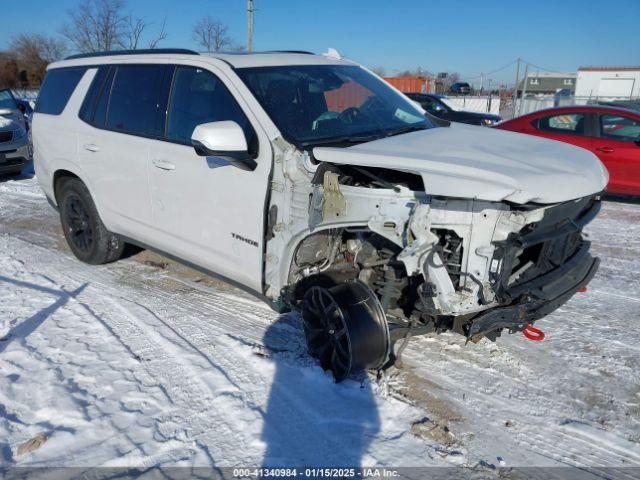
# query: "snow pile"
{"type": "Point", "coordinates": [134, 364]}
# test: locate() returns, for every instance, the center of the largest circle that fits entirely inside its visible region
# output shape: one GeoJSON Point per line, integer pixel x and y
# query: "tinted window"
{"type": "Point", "coordinates": [572, 123]}
{"type": "Point", "coordinates": [312, 104]}
{"type": "Point", "coordinates": [89, 104]}
{"type": "Point", "coordinates": [617, 127]}
{"type": "Point", "coordinates": [198, 96]}
{"type": "Point", "coordinates": [134, 99]}
{"type": "Point", "coordinates": [57, 88]}
{"type": "Point", "coordinates": [431, 104]}
{"type": "Point", "coordinates": [100, 110]}
{"type": "Point", "coordinates": [7, 100]}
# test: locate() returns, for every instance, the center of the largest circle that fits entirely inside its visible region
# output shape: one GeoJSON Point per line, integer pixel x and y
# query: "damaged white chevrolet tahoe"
{"type": "Point", "coordinates": [308, 180]}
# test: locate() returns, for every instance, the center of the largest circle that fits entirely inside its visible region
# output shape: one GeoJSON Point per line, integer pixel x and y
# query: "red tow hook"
{"type": "Point", "coordinates": [533, 333]}
{"type": "Point", "coordinates": [583, 290]}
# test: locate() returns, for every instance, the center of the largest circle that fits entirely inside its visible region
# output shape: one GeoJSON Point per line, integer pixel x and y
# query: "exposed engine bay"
{"type": "Point", "coordinates": [445, 276]}
{"type": "Point", "coordinates": [435, 264]}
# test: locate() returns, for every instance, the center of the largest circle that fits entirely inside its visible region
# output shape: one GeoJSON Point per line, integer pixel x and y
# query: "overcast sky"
{"type": "Point", "coordinates": [469, 37]}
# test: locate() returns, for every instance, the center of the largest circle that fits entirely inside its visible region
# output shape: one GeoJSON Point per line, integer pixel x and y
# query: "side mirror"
{"type": "Point", "coordinates": [225, 140]}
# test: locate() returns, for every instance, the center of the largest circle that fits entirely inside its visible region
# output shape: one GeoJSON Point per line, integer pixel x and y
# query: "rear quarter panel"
{"type": "Point", "coordinates": [55, 140]}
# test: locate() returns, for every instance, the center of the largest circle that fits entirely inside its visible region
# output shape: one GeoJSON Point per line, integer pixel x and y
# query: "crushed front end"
{"type": "Point", "coordinates": [537, 269]}
{"type": "Point", "coordinates": [438, 264]}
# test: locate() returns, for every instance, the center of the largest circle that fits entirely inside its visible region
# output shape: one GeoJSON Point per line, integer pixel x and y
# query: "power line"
{"type": "Point", "coordinates": [483, 74]}
{"type": "Point", "coordinates": [539, 67]}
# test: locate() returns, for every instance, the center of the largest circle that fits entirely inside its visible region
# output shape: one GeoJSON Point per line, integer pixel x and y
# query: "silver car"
{"type": "Point", "coordinates": [14, 141]}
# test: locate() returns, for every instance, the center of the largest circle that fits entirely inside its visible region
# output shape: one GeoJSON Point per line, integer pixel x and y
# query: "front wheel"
{"type": "Point", "coordinates": [85, 233]}
{"type": "Point", "coordinates": [345, 328]}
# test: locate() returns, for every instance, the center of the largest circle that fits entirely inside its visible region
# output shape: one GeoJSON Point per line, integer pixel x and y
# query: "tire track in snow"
{"type": "Point", "coordinates": [168, 330]}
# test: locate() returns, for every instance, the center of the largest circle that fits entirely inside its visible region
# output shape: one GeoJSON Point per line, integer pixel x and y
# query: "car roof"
{"type": "Point", "coordinates": [235, 60]}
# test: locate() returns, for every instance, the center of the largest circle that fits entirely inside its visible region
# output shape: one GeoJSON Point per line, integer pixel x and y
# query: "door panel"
{"type": "Point", "coordinates": [205, 210]}
{"type": "Point", "coordinates": [114, 148]}
{"type": "Point", "coordinates": [616, 147]}
{"type": "Point", "coordinates": [117, 165]}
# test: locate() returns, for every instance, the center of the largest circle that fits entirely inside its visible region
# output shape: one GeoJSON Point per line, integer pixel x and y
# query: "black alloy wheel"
{"type": "Point", "coordinates": [88, 238]}
{"type": "Point", "coordinates": [80, 230]}
{"type": "Point", "coordinates": [345, 328]}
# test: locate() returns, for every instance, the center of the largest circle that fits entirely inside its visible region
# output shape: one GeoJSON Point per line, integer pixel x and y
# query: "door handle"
{"type": "Point", "coordinates": [606, 149]}
{"type": "Point", "coordinates": [163, 164]}
{"type": "Point", "coordinates": [91, 147]}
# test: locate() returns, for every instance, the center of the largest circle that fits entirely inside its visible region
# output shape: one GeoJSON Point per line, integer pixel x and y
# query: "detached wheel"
{"type": "Point", "coordinates": [345, 328]}
{"type": "Point", "coordinates": [85, 233]}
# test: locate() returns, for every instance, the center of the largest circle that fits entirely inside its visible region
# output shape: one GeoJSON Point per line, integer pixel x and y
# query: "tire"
{"type": "Point", "coordinates": [345, 328]}
{"type": "Point", "coordinates": [85, 233]}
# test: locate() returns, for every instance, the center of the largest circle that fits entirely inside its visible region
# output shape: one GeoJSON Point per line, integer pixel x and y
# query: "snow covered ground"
{"type": "Point", "coordinates": [144, 362]}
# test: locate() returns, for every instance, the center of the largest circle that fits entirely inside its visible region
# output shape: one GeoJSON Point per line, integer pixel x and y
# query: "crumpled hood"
{"type": "Point", "coordinates": [477, 162]}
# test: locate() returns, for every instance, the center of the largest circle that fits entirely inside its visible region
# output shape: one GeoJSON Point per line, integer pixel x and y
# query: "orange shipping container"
{"type": "Point", "coordinates": [411, 84]}
{"type": "Point", "coordinates": [354, 95]}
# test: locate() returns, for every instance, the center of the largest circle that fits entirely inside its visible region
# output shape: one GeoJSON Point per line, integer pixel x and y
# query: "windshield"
{"type": "Point", "coordinates": [322, 104]}
{"type": "Point", "coordinates": [7, 100]}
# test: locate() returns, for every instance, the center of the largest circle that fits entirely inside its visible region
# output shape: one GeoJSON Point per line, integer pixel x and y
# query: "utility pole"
{"type": "Point", "coordinates": [524, 88]}
{"type": "Point", "coordinates": [515, 90]}
{"type": "Point", "coordinates": [481, 82]}
{"type": "Point", "coordinates": [250, 25]}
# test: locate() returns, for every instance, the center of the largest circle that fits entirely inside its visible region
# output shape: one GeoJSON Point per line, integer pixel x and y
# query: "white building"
{"type": "Point", "coordinates": [608, 82]}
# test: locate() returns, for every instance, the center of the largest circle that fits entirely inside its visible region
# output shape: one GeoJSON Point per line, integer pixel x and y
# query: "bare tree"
{"type": "Point", "coordinates": [212, 35]}
{"type": "Point", "coordinates": [153, 43]}
{"type": "Point", "coordinates": [38, 47]}
{"type": "Point", "coordinates": [95, 25]}
{"type": "Point", "coordinates": [103, 25]}
{"type": "Point", "coordinates": [33, 52]}
{"type": "Point", "coordinates": [132, 32]}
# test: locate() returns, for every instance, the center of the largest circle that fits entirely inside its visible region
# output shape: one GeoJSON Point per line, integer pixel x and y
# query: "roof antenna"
{"type": "Point", "coordinates": [332, 53]}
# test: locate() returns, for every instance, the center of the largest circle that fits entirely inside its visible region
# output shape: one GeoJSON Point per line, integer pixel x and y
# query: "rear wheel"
{"type": "Point", "coordinates": [345, 328]}
{"type": "Point", "coordinates": [85, 233]}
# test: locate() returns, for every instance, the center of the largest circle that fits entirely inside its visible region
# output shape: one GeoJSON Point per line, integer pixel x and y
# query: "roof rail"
{"type": "Point", "coordinates": [263, 52]}
{"type": "Point", "coordinates": [146, 51]}
{"type": "Point", "coordinates": [304, 52]}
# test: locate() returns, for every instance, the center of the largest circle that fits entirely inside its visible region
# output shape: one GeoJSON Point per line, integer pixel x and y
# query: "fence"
{"type": "Point", "coordinates": [484, 104]}
{"type": "Point", "coordinates": [533, 104]}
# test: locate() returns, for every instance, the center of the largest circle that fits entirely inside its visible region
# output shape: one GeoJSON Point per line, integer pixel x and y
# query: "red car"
{"type": "Point", "coordinates": [612, 133]}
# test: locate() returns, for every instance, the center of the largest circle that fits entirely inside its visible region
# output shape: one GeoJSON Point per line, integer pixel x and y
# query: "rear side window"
{"type": "Point", "coordinates": [571, 123]}
{"type": "Point", "coordinates": [57, 88]}
{"type": "Point", "coordinates": [618, 127]}
{"type": "Point", "coordinates": [88, 108]}
{"type": "Point", "coordinates": [133, 104]}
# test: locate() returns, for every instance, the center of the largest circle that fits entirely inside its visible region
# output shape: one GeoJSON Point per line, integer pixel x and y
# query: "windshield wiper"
{"type": "Point", "coordinates": [410, 128]}
{"type": "Point", "coordinates": [352, 140]}
{"type": "Point", "coordinates": [344, 140]}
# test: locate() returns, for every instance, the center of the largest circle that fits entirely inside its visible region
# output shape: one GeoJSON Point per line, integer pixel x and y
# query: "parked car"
{"type": "Point", "coordinates": [347, 204]}
{"type": "Point", "coordinates": [14, 144]}
{"type": "Point", "coordinates": [462, 88]}
{"type": "Point", "coordinates": [612, 133]}
{"type": "Point", "coordinates": [436, 105]}
{"type": "Point", "coordinates": [26, 108]}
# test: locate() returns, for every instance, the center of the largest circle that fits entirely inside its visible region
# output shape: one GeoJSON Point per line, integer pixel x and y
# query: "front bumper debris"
{"type": "Point", "coordinates": [551, 262]}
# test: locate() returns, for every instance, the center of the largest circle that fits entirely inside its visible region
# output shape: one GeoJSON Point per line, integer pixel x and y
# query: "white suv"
{"type": "Point", "coordinates": [313, 183]}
